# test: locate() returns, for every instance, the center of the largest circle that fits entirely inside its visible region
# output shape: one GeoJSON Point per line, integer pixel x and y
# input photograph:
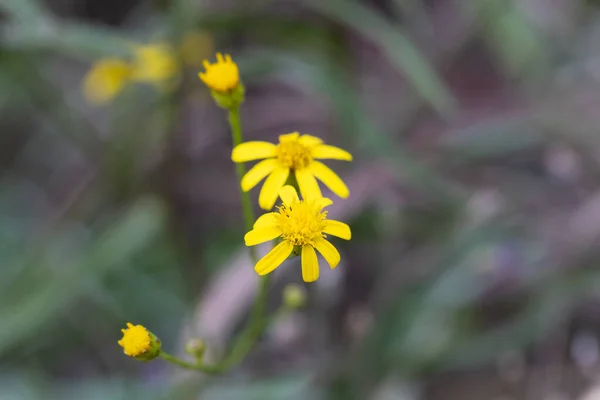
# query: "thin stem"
{"type": "Point", "coordinates": [209, 369]}
{"type": "Point", "coordinates": [236, 134]}
{"type": "Point", "coordinates": [257, 322]}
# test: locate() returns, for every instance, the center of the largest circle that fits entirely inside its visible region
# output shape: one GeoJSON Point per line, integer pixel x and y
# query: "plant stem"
{"type": "Point", "coordinates": [240, 168]}
{"type": "Point", "coordinates": [257, 322]}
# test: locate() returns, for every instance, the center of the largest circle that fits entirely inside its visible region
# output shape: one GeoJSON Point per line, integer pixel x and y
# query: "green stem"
{"type": "Point", "coordinates": [209, 369]}
{"type": "Point", "coordinates": [240, 168]}
{"type": "Point", "coordinates": [257, 322]}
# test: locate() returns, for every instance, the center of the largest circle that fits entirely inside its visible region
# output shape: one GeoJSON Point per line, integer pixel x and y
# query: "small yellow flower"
{"type": "Point", "coordinates": [294, 153]}
{"type": "Point", "coordinates": [105, 80]}
{"type": "Point", "coordinates": [222, 76]}
{"type": "Point", "coordinates": [139, 343]}
{"type": "Point", "coordinates": [301, 224]}
{"type": "Point", "coordinates": [195, 47]}
{"type": "Point", "coordinates": [154, 63]}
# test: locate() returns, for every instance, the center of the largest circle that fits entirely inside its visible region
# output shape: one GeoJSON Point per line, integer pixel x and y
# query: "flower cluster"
{"type": "Point", "coordinates": [156, 64]}
{"type": "Point", "coordinates": [298, 226]}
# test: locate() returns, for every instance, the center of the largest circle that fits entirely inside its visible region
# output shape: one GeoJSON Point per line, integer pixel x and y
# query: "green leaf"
{"type": "Point", "coordinates": [396, 46]}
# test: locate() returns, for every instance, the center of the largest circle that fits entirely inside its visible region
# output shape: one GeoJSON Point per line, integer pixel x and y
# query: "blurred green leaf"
{"type": "Point", "coordinates": [289, 388]}
{"type": "Point", "coordinates": [27, 307]}
{"type": "Point", "coordinates": [518, 47]}
{"type": "Point", "coordinates": [395, 45]}
{"type": "Point", "coordinates": [498, 137]}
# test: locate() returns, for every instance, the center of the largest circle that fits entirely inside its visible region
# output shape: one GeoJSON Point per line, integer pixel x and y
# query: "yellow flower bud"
{"type": "Point", "coordinates": [223, 80]}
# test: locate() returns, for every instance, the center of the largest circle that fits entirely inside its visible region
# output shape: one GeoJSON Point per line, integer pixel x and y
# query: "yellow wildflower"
{"type": "Point", "coordinates": [195, 47]}
{"type": "Point", "coordinates": [139, 343]}
{"type": "Point", "coordinates": [105, 80]}
{"type": "Point", "coordinates": [302, 225]}
{"type": "Point", "coordinates": [222, 76]}
{"type": "Point", "coordinates": [154, 63]}
{"type": "Point", "coordinates": [294, 153]}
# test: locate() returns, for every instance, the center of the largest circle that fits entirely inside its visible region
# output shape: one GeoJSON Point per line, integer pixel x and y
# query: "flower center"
{"type": "Point", "coordinates": [293, 155]}
{"type": "Point", "coordinates": [136, 340]}
{"type": "Point", "coordinates": [301, 222]}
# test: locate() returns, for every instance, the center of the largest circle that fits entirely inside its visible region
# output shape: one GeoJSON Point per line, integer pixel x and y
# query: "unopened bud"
{"type": "Point", "coordinates": [294, 296]}
{"type": "Point", "coordinates": [196, 348]}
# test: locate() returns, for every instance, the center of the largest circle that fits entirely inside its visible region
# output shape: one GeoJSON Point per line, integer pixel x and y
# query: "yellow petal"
{"type": "Point", "coordinates": [274, 258]}
{"type": "Point", "coordinates": [288, 194]}
{"type": "Point", "coordinates": [289, 137]}
{"type": "Point", "coordinates": [331, 152]}
{"type": "Point", "coordinates": [328, 251]}
{"type": "Point", "coordinates": [261, 235]}
{"type": "Point", "coordinates": [270, 190]}
{"type": "Point", "coordinates": [308, 184]}
{"type": "Point", "coordinates": [257, 173]}
{"type": "Point", "coordinates": [325, 201]}
{"type": "Point", "coordinates": [329, 178]}
{"type": "Point", "coordinates": [339, 229]}
{"type": "Point", "coordinates": [309, 140]}
{"type": "Point", "coordinates": [249, 151]}
{"type": "Point", "coordinates": [310, 264]}
{"type": "Point", "coordinates": [265, 221]}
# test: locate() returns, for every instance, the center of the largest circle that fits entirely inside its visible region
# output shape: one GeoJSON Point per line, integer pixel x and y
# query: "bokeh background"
{"type": "Point", "coordinates": [475, 199]}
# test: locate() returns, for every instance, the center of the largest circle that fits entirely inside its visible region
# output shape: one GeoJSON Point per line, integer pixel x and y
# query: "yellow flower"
{"type": "Point", "coordinates": [105, 80]}
{"type": "Point", "coordinates": [222, 76]}
{"type": "Point", "coordinates": [294, 153]}
{"type": "Point", "coordinates": [139, 343]}
{"type": "Point", "coordinates": [154, 63]}
{"type": "Point", "coordinates": [302, 225]}
{"type": "Point", "coordinates": [195, 46]}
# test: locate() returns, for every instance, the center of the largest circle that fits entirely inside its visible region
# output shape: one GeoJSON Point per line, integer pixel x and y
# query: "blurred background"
{"type": "Point", "coordinates": [475, 199]}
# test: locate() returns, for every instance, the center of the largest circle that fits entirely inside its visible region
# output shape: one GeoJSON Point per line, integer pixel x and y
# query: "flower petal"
{"type": "Point", "coordinates": [309, 140]}
{"type": "Point", "coordinates": [288, 137]}
{"type": "Point", "coordinates": [261, 235]}
{"type": "Point", "coordinates": [309, 188]}
{"type": "Point", "coordinates": [310, 264]}
{"type": "Point", "coordinates": [288, 194]}
{"type": "Point", "coordinates": [329, 178]}
{"type": "Point", "coordinates": [274, 258]}
{"type": "Point", "coordinates": [339, 229]}
{"type": "Point", "coordinates": [257, 173]}
{"type": "Point", "coordinates": [270, 190]}
{"type": "Point", "coordinates": [328, 251]}
{"type": "Point", "coordinates": [325, 201]}
{"type": "Point", "coordinates": [331, 152]}
{"type": "Point", "coordinates": [249, 151]}
{"type": "Point", "coordinates": [265, 221]}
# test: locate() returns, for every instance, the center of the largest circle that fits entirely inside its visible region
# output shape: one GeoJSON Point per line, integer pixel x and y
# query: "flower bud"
{"type": "Point", "coordinates": [294, 296]}
{"type": "Point", "coordinates": [196, 348]}
{"type": "Point", "coordinates": [139, 343]}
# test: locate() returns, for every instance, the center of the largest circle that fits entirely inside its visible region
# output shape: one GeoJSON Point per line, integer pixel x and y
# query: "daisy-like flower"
{"type": "Point", "coordinates": [222, 76]}
{"type": "Point", "coordinates": [105, 80]}
{"type": "Point", "coordinates": [297, 154]}
{"type": "Point", "coordinates": [139, 343]}
{"type": "Point", "coordinates": [154, 63]}
{"type": "Point", "coordinates": [302, 225]}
